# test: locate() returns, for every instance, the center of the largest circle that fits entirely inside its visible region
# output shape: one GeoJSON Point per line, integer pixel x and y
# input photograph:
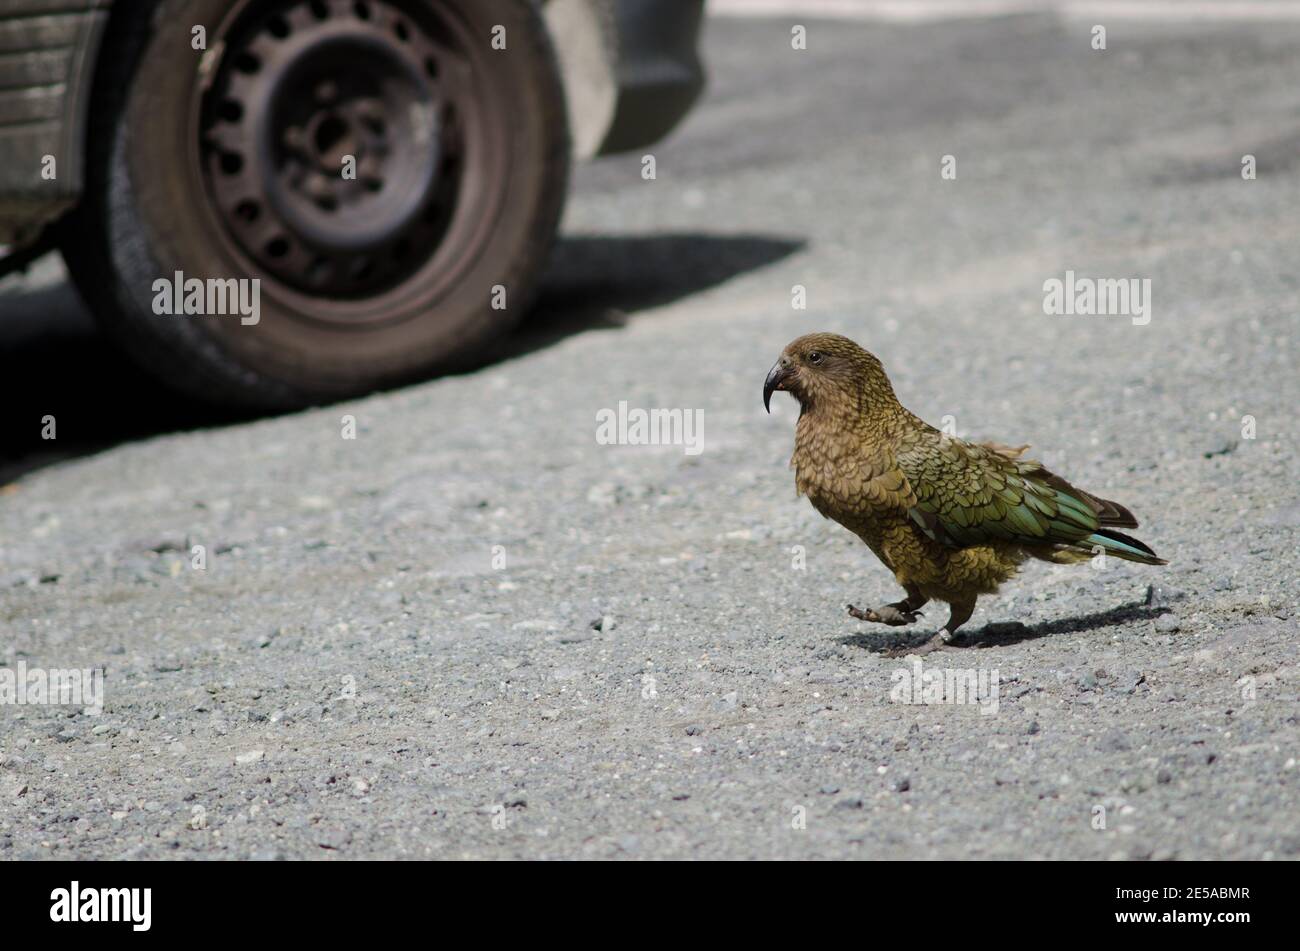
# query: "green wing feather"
{"type": "Point", "coordinates": [969, 494]}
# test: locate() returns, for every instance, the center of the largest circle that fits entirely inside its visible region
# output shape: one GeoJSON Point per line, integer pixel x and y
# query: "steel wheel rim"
{"type": "Point", "coordinates": [265, 151]}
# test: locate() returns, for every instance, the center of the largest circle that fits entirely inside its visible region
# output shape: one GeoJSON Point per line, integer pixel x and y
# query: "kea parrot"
{"type": "Point", "coordinates": [951, 519]}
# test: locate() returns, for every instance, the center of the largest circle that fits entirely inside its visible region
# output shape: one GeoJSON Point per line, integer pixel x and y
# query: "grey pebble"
{"type": "Point", "coordinates": [333, 838]}
{"type": "Point", "coordinates": [1114, 741]}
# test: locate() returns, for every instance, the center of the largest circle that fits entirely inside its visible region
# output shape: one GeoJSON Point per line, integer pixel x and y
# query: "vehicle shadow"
{"type": "Point", "coordinates": [596, 282]}
{"type": "Point", "coordinates": [1005, 633]}
{"type": "Point", "coordinates": [54, 362]}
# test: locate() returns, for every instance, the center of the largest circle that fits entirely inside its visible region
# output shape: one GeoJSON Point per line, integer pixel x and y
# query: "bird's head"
{"type": "Point", "coordinates": [824, 367]}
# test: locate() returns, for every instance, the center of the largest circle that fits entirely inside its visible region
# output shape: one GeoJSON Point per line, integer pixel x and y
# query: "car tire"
{"type": "Point", "coordinates": [219, 163]}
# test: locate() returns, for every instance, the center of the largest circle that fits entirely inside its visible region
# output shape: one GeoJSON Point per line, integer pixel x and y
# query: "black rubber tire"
{"type": "Point", "coordinates": [140, 220]}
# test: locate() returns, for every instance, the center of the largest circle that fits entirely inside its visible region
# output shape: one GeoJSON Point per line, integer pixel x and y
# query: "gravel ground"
{"type": "Point", "coordinates": [651, 673]}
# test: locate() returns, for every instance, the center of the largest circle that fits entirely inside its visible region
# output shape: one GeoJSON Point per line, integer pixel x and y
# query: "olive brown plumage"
{"type": "Point", "coordinates": [952, 519]}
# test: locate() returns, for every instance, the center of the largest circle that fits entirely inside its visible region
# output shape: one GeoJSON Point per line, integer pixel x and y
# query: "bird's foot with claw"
{"type": "Point", "coordinates": [894, 615]}
{"type": "Point", "coordinates": [941, 641]}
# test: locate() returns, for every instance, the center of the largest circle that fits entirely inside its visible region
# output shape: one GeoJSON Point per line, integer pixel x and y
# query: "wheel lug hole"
{"type": "Point", "coordinates": [330, 135]}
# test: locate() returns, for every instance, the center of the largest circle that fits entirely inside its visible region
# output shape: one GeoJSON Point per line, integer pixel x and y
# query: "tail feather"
{"type": "Point", "coordinates": [1107, 512]}
{"type": "Point", "coordinates": [1123, 546]}
{"type": "Point", "coordinates": [1111, 513]}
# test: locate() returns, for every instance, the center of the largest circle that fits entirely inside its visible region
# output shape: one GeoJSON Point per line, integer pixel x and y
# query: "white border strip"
{"type": "Point", "coordinates": [915, 11]}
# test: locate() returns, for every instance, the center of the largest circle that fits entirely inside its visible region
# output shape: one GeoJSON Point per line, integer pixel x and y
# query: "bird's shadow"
{"type": "Point", "coordinates": [55, 363]}
{"type": "Point", "coordinates": [1004, 633]}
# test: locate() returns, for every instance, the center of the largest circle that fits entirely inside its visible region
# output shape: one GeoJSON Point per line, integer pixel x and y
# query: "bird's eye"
{"type": "Point", "coordinates": [815, 357]}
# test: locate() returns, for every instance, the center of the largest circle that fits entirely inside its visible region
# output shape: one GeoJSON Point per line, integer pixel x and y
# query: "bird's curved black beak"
{"type": "Point", "coordinates": [776, 379]}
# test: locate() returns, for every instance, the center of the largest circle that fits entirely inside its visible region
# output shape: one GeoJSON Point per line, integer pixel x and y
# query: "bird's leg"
{"type": "Point", "coordinates": [898, 613]}
{"type": "Point", "coordinates": [959, 613]}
